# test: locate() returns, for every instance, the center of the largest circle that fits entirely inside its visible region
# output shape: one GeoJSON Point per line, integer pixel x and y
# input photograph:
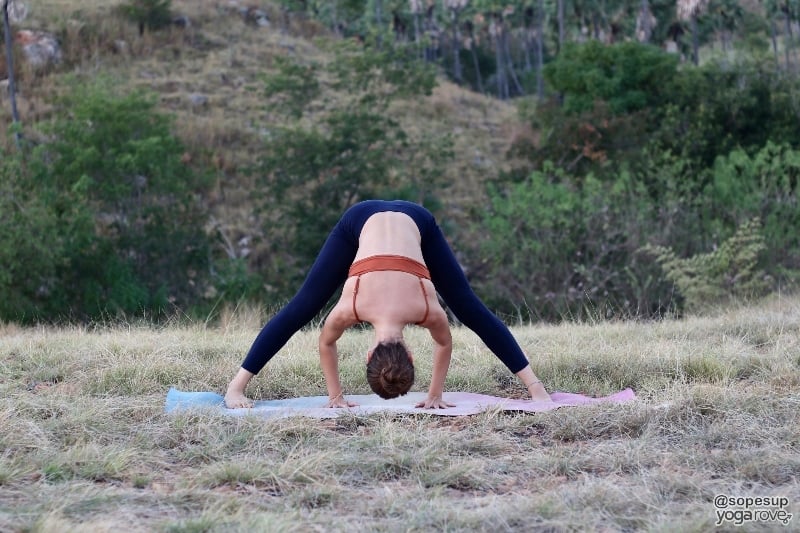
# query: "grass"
{"type": "Point", "coordinates": [85, 445]}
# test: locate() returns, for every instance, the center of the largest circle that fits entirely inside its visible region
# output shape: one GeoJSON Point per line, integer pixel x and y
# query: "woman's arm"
{"type": "Point", "coordinates": [453, 287]}
{"type": "Point", "coordinates": [331, 332]}
{"type": "Point", "coordinates": [442, 350]}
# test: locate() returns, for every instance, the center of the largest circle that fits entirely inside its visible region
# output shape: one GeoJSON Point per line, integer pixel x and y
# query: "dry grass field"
{"type": "Point", "coordinates": [85, 444]}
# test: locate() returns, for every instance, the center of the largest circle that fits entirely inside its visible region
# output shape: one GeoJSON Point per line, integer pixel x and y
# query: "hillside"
{"type": "Point", "coordinates": [650, 176]}
{"type": "Point", "coordinates": [208, 76]}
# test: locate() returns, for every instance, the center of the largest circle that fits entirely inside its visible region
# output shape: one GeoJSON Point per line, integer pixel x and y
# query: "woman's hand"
{"type": "Point", "coordinates": [434, 402]}
{"type": "Point", "coordinates": [339, 401]}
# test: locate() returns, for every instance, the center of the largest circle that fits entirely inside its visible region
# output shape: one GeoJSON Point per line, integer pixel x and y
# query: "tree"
{"type": "Point", "coordinates": [690, 10]}
{"type": "Point", "coordinates": [12, 86]}
{"type": "Point", "coordinates": [354, 148]}
{"type": "Point", "coordinates": [126, 206]}
{"type": "Point", "coordinates": [456, 7]}
{"type": "Point", "coordinates": [148, 14]}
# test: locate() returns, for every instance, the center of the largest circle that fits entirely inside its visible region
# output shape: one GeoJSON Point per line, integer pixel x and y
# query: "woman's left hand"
{"type": "Point", "coordinates": [340, 401]}
{"type": "Point", "coordinates": [435, 402]}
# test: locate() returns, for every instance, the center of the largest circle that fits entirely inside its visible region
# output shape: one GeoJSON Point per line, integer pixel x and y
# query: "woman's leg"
{"type": "Point", "coordinates": [327, 273]}
{"type": "Point", "coordinates": [452, 285]}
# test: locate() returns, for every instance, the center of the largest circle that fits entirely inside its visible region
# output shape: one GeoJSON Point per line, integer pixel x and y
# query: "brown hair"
{"type": "Point", "coordinates": [390, 371]}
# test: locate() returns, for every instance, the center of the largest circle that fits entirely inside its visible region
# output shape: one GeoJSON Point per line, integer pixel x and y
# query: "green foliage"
{"type": "Point", "coordinates": [126, 229]}
{"type": "Point", "coordinates": [150, 14]}
{"type": "Point", "coordinates": [556, 248]}
{"type": "Point", "coordinates": [716, 108]}
{"type": "Point", "coordinates": [730, 271]}
{"type": "Point", "coordinates": [627, 76]}
{"type": "Point", "coordinates": [316, 173]}
{"type": "Point", "coordinates": [292, 87]}
{"type": "Point", "coordinates": [30, 248]}
{"type": "Point", "coordinates": [764, 185]}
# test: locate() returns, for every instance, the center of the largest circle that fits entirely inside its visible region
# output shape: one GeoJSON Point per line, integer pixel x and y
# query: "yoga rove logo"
{"type": "Point", "coordinates": [740, 510]}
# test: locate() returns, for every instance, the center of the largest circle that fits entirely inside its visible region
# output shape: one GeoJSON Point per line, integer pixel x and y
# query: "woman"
{"type": "Point", "coordinates": [399, 288]}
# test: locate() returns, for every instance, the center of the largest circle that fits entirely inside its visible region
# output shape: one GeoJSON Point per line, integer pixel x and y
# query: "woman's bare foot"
{"type": "Point", "coordinates": [539, 393]}
{"type": "Point", "coordinates": [237, 400]}
{"type": "Point", "coordinates": [234, 397]}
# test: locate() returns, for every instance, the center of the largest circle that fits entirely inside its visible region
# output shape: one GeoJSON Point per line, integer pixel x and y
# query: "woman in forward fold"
{"type": "Point", "coordinates": [392, 258]}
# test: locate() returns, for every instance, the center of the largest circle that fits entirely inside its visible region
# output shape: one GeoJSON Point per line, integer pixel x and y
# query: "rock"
{"type": "Point", "coordinates": [256, 16]}
{"type": "Point", "coordinates": [39, 48]}
{"type": "Point", "coordinates": [17, 11]}
{"type": "Point", "coordinates": [198, 100]}
{"type": "Point", "coordinates": [181, 21]}
{"type": "Point", "coordinates": [120, 46]}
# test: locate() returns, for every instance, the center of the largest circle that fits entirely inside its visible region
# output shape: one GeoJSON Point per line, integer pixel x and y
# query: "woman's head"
{"type": "Point", "coordinates": [390, 370]}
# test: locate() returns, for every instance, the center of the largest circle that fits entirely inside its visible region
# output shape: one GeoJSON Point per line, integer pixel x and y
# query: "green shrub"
{"type": "Point", "coordinates": [147, 14]}
{"type": "Point", "coordinates": [558, 248]}
{"type": "Point", "coordinates": [351, 149]}
{"type": "Point", "coordinates": [764, 185]}
{"type": "Point", "coordinates": [627, 76]}
{"type": "Point", "coordinates": [31, 250]}
{"type": "Point", "coordinates": [731, 271]}
{"type": "Point", "coordinates": [130, 227]}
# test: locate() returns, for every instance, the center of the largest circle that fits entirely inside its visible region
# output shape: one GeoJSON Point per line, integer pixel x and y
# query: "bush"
{"type": "Point", "coordinates": [714, 278]}
{"type": "Point", "coordinates": [147, 14]}
{"type": "Point", "coordinates": [353, 150]}
{"type": "Point", "coordinates": [627, 76]}
{"type": "Point", "coordinates": [31, 251]}
{"type": "Point", "coordinates": [764, 185]}
{"type": "Point", "coordinates": [717, 108]}
{"type": "Point", "coordinates": [557, 248]}
{"type": "Point", "coordinates": [128, 218]}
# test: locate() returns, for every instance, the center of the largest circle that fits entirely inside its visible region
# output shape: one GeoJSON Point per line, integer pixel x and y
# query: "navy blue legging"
{"type": "Point", "coordinates": [330, 269]}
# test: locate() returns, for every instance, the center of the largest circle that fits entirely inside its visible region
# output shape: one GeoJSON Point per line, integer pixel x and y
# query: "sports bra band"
{"type": "Point", "coordinates": [394, 263]}
{"type": "Point", "coordinates": [397, 263]}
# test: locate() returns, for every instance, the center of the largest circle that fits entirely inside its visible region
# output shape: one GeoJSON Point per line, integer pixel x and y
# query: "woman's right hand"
{"type": "Point", "coordinates": [434, 402]}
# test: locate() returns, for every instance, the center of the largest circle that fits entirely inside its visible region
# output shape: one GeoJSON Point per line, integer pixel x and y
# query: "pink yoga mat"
{"type": "Point", "coordinates": [466, 403]}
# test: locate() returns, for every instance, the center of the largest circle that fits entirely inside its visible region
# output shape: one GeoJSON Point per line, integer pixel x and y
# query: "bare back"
{"type": "Point", "coordinates": [389, 233]}
{"type": "Point", "coordinates": [389, 296]}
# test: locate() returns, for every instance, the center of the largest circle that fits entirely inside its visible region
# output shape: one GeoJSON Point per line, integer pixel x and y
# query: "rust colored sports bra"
{"type": "Point", "coordinates": [395, 263]}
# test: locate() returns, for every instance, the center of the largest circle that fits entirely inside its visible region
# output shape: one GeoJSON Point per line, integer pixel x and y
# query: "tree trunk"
{"type": "Point", "coordinates": [12, 88]}
{"type": "Point", "coordinates": [789, 41]}
{"type": "Point", "coordinates": [502, 81]}
{"type": "Point", "coordinates": [774, 37]}
{"type": "Point", "coordinates": [540, 50]}
{"type": "Point", "coordinates": [417, 38]}
{"type": "Point", "coordinates": [646, 30]}
{"type": "Point", "coordinates": [695, 41]}
{"type": "Point", "coordinates": [526, 49]}
{"type": "Point", "coordinates": [475, 63]}
{"type": "Point", "coordinates": [560, 25]}
{"type": "Point", "coordinates": [379, 22]}
{"type": "Point", "coordinates": [596, 26]}
{"type": "Point", "coordinates": [510, 61]}
{"type": "Point", "coordinates": [456, 49]}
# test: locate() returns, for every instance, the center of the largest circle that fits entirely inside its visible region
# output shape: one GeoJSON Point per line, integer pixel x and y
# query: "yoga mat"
{"type": "Point", "coordinates": [466, 403]}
